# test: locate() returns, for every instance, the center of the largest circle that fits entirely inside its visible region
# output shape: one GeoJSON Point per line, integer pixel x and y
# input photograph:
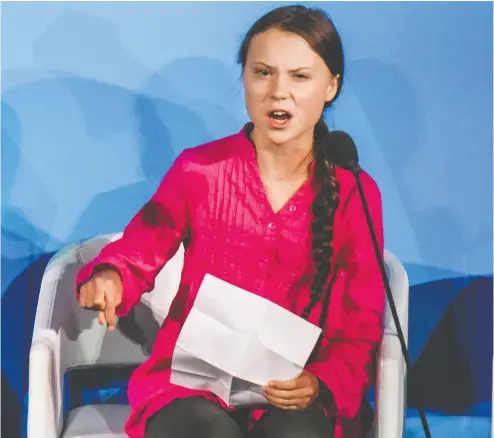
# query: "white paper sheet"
{"type": "Point", "coordinates": [233, 342]}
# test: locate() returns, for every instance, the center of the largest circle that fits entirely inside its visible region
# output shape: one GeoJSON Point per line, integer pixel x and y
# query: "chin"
{"type": "Point", "coordinates": [280, 136]}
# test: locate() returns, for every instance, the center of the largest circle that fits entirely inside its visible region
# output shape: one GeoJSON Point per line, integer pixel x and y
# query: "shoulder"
{"type": "Point", "coordinates": [198, 166]}
{"type": "Point", "coordinates": [349, 190]}
{"type": "Point", "coordinates": [213, 152]}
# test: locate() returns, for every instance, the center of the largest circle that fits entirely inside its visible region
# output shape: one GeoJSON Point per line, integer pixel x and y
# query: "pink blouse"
{"type": "Point", "coordinates": [212, 198]}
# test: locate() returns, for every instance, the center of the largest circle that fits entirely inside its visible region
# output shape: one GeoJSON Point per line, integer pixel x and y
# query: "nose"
{"type": "Point", "coordinates": [280, 89]}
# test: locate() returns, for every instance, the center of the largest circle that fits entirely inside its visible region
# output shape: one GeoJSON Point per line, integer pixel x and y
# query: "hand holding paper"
{"type": "Point", "coordinates": [234, 342]}
{"type": "Point", "coordinates": [297, 393]}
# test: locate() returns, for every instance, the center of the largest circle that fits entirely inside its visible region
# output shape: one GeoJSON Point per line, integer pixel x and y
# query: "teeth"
{"type": "Point", "coordinates": [280, 115]}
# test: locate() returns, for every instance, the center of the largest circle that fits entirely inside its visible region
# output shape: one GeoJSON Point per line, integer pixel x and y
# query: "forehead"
{"type": "Point", "coordinates": [280, 48]}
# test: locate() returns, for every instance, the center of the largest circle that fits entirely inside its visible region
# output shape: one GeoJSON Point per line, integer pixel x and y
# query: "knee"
{"type": "Point", "coordinates": [308, 423]}
{"type": "Point", "coordinates": [212, 422]}
{"type": "Point", "coordinates": [192, 418]}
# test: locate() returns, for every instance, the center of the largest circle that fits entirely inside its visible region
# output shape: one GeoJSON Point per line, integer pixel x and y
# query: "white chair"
{"type": "Point", "coordinates": [67, 337]}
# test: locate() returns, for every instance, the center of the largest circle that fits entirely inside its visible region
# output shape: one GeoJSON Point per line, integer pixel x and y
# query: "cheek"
{"type": "Point", "coordinates": [311, 101]}
{"type": "Point", "coordinates": [255, 94]}
{"type": "Point", "coordinates": [253, 108]}
{"type": "Point", "coordinates": [256, 90]}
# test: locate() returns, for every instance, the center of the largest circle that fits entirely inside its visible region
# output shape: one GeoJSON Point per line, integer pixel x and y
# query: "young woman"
{"type": "Point", "coordinates": [264, 209]}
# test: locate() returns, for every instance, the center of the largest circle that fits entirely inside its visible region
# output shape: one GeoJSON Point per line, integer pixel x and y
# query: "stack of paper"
{"type": "Point", "coordinates": [234, 342]}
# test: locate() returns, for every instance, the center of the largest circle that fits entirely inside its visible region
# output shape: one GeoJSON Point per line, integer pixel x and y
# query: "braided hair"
{"type": "Point", "coordinates": [324, 207]}
{"type": "Point", "coordinates": [318, 30]}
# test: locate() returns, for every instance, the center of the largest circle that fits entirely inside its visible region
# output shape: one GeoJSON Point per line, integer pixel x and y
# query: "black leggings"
{"type": "Point", "coordinates": [198, 417]}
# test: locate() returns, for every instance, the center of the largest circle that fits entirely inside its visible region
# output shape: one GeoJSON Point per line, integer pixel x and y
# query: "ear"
{"type": "Point", "coordinates": [332, 88]}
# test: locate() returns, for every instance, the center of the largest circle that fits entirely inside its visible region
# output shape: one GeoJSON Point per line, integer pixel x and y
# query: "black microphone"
{"type": "Point", "coordinates": [342, 151]}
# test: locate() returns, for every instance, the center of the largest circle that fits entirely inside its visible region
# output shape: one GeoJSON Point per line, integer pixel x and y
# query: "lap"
{"type": "Point", "coordinates": [300, 423]}
{"type": "Point", "coordinates": [199, 417]}
{"type": "Point", "coordinates": [191, 418]}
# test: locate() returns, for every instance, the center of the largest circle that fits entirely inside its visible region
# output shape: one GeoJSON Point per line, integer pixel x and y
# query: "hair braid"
{"type": "Point", "coordinates": [323, 209]}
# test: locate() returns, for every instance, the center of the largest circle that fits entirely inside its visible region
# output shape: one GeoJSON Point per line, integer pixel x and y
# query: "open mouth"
{"type": "Point", "coordinates": [280, 116]}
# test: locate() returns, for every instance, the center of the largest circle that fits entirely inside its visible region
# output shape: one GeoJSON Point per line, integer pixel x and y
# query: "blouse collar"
{"type": "Point", "coordinates": [247, 149]}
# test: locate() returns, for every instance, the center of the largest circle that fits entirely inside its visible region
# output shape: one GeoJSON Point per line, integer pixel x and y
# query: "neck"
{"type": "Point", "coordinates": [284, 161]}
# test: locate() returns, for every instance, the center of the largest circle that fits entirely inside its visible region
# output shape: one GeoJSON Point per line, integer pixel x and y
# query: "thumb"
{"type": "Point", "coordinates": [101, 317]}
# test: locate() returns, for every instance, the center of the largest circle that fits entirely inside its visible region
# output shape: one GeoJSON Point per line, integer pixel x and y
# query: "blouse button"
{"type": "Point", "coordinates": [272, 226]}
{"type": "Point", "coordinates": [292, 208]}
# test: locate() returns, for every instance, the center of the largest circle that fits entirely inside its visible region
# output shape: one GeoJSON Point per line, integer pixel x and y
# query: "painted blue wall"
{"type": "Point", "coordinates": [98, 98]}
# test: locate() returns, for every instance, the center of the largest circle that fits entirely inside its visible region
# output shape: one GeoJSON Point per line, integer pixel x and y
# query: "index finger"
{"type": "Point", "coordinates": [110, 317]}
{"type": "Point", "coordinates": [99, 299]}
{"type": "Point", "coordinates": [110, 308]}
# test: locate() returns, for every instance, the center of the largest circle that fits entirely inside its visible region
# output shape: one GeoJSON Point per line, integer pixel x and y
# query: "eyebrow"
{"type": "Point", "coordinates": [295, 70]}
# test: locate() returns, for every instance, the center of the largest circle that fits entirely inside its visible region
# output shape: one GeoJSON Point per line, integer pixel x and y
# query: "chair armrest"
{"type": "Point", "coordinates": [398, 282]}
{"type": "Point", "coordinates": [390, 389]}
{"type": "Point", "coordinates": [45, 408]}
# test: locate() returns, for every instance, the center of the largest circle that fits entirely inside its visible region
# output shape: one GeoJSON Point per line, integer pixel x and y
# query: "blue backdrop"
{"type": "Point", "coordinates": [98, 98]}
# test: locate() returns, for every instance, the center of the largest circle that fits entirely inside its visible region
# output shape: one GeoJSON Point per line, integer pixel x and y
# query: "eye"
{"type": "Point", "coordinates": [262, 72]}
{"type": "Point", "coordinates": [301, 76]}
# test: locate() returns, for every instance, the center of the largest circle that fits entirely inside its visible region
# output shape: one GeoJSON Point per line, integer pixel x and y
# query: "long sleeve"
{"type": "Point", "coordinates": [150, 239]}
{"type": "Point", "coordinates": [345, 361]}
